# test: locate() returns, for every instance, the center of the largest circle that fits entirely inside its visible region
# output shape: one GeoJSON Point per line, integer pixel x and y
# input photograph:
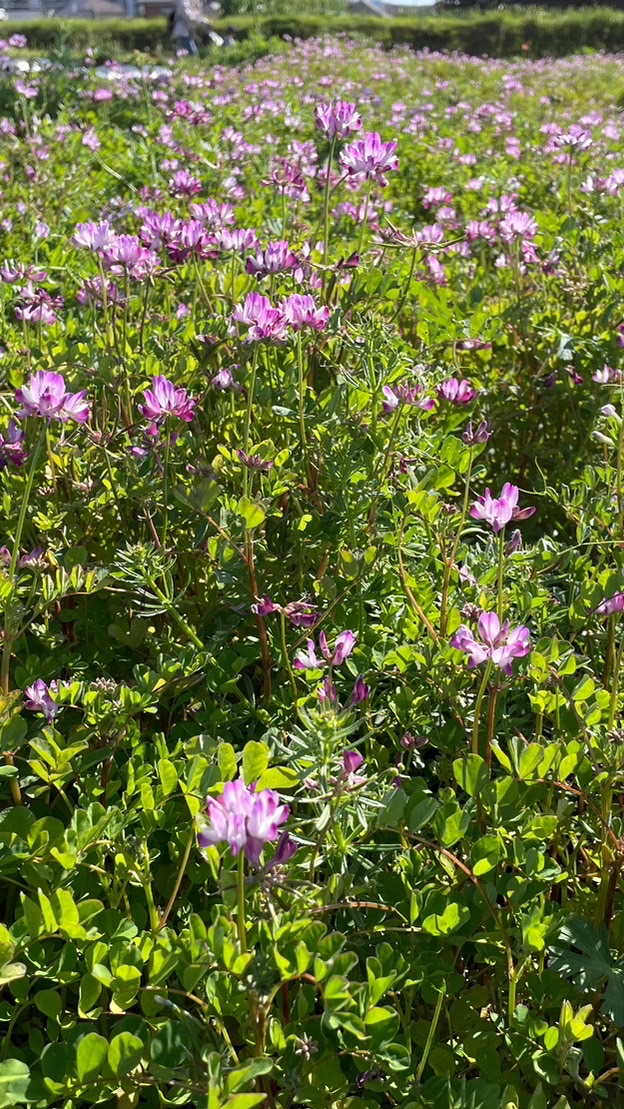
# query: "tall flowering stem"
{"type": "Point", "coordinates": [240, 886]}
{"type": "Point", "coordinates": [332, 148]}
{"type": "Point", "coordinates": [450, 561]}
{"type": "Point", "coordinates": [302, 392]}
{"type": "Point", "coordinates": [501, 570]}
{"type": "Point", "coordinates": [250, 399]}
{"type": "Point", "coordinates": [476, 748]}
{"type": "Point", "coordinates": [365, 216]}
{"type": "Point", "coordinates": [16, 792]}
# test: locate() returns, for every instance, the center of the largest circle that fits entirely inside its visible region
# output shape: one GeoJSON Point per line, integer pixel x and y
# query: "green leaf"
{"type": "Point", "coordinates": [255, 761]}
{"type": "Point", "coordinates": [471, 773]}
{"type": "Point", "coordinates": [91, 1055]}
{"type": "Point", "coordinates": [226, 758]}
{"type": "Point", "coordinates": [251, 512]}
{"type": "Point", "coordinates": [530, 759]}
{"type": "Point", "coordinates": [485, 854]}
{"type": "Point", "coordinates": [14, 1080]}
{"type": "Point", "coordinates": [125, 1052]}
{"type": "Point", "coordinates": [10, 972]}
{"type": "Point", "coordinates": [278, 777]}
{"type": "Point", "coordinates": [591, 966]}
{"type": "Point", "coordinates": [421, 813]}
{"type": "Point", "coordinates": [442, 924]}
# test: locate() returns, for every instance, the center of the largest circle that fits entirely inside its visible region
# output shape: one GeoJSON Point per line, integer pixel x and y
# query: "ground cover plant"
{"type": "Point", "coordinates": [312, 582]}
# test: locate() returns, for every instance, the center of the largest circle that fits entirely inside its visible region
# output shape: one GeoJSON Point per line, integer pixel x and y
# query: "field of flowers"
{"type": "Point", "coordinates": [312, 691]}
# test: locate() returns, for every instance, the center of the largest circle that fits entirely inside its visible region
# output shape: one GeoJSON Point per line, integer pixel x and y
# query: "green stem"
{"type": "Point", "coordinates": [302, 427]}
{"type": "Point", "coordinates": [286, 657]}
{"type": "Point", "coordinates": [406, 289]}
{"type": "Point", "coordinates": [250, 399]}
{"type": "Point", "coordinates": [478, 705]}
{"type": "Point", "coordinates": [501, 567]}
{"type": "Point", "coordinates": [450, 562]}
{"type": "Point", "coordinates": [176, 889]}
{"type": "Point", "coordinates": [431, 1036]}
{"type": "Point", "coordinates": [365, 217]}
{"type": "Point", "coordinates": [166, 492]}
{"type": "Point", "coordinates": [326, 202]}
{"type": "Point", "coordinates": [615, 684]}
{"type": "Point", "coordinates": [240, 885]}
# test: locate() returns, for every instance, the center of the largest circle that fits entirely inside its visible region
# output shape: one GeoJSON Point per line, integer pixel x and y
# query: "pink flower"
{"type": "Point", "coordinates": [46, 395]}
{"type": "Point", "coordinates": [394, 395]}
{"type": "Point", "coordinates": [301, 311]}
{"type": "Point", "coordinates": [38, 699]}
{"type": "Point", "coordinates": [243, 819]}
{"type": "Point", "coordinates": [337, 120]}
{"type": "Point", "coordinates": [93, 236]}
{"type": "Point", "coordinates": [611, 605]}
{"type": "Point", "coordinates": [263, 320]}
{"type": "Point", "coordinates": [495, 643]}
{"type": "Point", "coordinates": [499, 511]}
{"type": "Point", "coordinates": [370, 158]}
{"type": "Point", "coordinates": [164, 400]}
{"type": "Point", "coordinates": [457, 392]}
{"type": "Point", "coordinates": [12, 446]}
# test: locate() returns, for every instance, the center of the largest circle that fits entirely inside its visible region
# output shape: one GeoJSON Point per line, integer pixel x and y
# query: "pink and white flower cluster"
{"type": "Point", "coordinates": [243, 818]}
{"type": "Point", "coordinates": [496, 643]}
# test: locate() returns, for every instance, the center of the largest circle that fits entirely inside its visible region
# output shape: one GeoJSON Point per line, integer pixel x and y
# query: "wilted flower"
{"type": "Point", "coordinates": [244, 819]}
{"type": "Point", "coordinates": [164, 400]}
{"type": "Point", "coordinates": [498, 644]}
{"type": "Point", "coordinates": [46, 395]}
{"type": "Point", "coordinates": [337, 120]}
{"type": "Point", "coordinates": [498, 511]}
{"type": "Point", "coordinates": [370, 158]}
{"type": "Point", "coordinates": [38, 698]}
{"type": "Point", "coordinates": [611, 605]}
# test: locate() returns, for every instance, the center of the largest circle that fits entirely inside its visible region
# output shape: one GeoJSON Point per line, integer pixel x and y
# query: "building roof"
{"type": "Point", "coordinates": [96, 9]}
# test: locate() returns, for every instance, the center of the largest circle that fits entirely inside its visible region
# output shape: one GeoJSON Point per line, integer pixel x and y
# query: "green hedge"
{"type": "Point", "coordinates": [498, 34]}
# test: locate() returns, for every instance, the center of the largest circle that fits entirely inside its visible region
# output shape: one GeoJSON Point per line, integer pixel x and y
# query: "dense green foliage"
{"type": "Point", "coordinates": [449, 933]}
{"type": "Point", "coordinates": [496, 34]}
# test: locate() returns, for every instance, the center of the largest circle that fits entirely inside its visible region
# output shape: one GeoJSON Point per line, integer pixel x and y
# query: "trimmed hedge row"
{"type": "Point", "coordinates": [497, 34]}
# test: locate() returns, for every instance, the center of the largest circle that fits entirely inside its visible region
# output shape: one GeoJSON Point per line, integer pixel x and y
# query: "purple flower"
{"type": "Point", "coordinates": [495, 643]}
{"type": "Point", "coordinates": [611, 605]}
{"type": "Point", "coordinates": [498, 511]}
{"type": "Point", "coordinates": [476, 437]}
{"type": "Point", "coordinates": [458, 392]}
{"type": "Point", "coordinates": [38, 699]}
{"type": "Point", "coordinates": [337, 120]}
{"type": "Point", "coordinates": [164, 400]}
{"type": "Point", "coordinates": [344, 645]}
{"type": "Point", "coordinates": [12, 448]}
{"type": "Point", "coordinates": [360, 692]}
{"type": "Point", "coordinates": [243, 819]}
{"type": "Point", "coordinates": [351, 762]}
{"type": "Point", "coordinates": [277, 258]}
{"type": "Point", "coordinates": [263, 320]}
{"type": "Point", "coordinates": [301, 311]}
{"type": "Point", "coordinates": [184, 184]}
{"type": "Point", "coordinates": [46, 395]}
{"type": "Point", "coordinates": [370, 158]}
